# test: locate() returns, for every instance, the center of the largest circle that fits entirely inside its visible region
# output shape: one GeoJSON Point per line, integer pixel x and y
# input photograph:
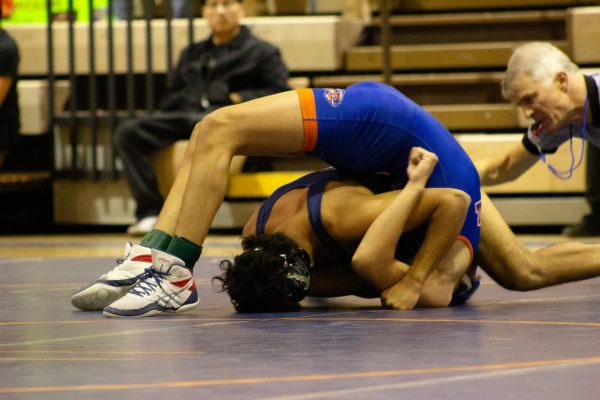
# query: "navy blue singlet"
{"type": "Point", "coordinates": [408, 245]}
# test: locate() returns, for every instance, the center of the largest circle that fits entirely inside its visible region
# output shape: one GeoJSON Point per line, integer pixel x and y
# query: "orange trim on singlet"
{"type": "Point", "coordinates": [469, 245]}
{"type": "Point", "coordinates": [309, 118]}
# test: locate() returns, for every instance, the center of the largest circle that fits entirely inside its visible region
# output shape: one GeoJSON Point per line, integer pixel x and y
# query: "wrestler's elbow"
{"type": "Point", "coordinates": [378, 270]}
{"type": "Point", "coordinates": [455, 202]}
{"type": "Point", "coordinates": [362, 261]}
{"type": "Point", "coordinates": [365, 263]}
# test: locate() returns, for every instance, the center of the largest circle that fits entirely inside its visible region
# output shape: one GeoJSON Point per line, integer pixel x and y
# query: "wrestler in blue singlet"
{"type": "Point", "coordinates": [371, 127]}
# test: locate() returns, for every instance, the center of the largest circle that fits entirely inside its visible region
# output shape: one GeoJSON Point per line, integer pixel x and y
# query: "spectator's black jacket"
{"type": "Point", "coordinates": [206, 73]}
{"type": "Point", "coordinates": [9, 108]}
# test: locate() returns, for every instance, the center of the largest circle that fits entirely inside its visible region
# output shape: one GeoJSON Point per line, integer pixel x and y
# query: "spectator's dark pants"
{"type": "Point", "coordinates": [136, 140]}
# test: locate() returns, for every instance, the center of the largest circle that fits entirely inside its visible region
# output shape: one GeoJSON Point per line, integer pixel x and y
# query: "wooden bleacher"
{"type": "Point", "coordinates": [455, 5]}
{"type": "Point", "coordinates": [459, 84]}
{"type": "Point", "coordinates": [311, 43]}
{"type": "Point", "coordinates": [435, 56]}
{"type": "Point", "coordinates": [466, 44]}
{"type": "Point", "coordinates": [448, 55]}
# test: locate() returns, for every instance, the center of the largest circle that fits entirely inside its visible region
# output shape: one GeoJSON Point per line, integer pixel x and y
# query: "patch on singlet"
{"type": "Point", "coordinates": [334, 96]}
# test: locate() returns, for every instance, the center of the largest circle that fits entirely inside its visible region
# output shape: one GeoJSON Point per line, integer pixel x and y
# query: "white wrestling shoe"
{"type": "Point", "coordinates": [166, 286]}
{"type": "Point", "coordinates": [115, 283]}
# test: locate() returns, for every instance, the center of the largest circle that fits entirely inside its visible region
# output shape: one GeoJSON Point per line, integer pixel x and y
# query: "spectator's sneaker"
{"type": "Point", "coordinates": [166, 286]}
{"type": "Point", "coordinates": [115, 283]}
{"type": "Point", "coordinates": [143, 226]}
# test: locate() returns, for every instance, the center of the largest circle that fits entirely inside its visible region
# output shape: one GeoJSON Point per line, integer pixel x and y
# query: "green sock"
{"type": "Point", "coordinates": [157, 239]}
{"type": "Point", "coordinates": [185, 249]}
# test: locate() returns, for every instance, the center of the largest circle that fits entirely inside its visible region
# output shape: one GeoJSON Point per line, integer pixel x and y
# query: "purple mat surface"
{"type": "Point", "coordinates": [501, 345]}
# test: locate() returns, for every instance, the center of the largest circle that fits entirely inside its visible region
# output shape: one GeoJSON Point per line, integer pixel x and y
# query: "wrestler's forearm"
{"type": "Point", "coordinates": [374, 258]}
{"type": "Point", "coordinates": [444, 227]}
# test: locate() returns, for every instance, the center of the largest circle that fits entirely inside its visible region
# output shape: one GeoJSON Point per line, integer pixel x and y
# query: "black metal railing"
{"type": "Point", "coordinates": [94, 110]}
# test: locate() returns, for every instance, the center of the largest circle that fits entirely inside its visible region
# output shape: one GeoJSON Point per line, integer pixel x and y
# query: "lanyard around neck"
{"type": "Point", "coordinates": [566, 174]}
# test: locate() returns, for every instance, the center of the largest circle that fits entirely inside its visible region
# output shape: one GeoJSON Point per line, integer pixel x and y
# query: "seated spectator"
{"type": "Point", "coordinates": [229, 67]}
{"type": "Point", "coordinates": [9, 103]}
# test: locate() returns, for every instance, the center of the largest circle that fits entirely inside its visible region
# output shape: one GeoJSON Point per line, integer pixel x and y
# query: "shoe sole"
{"type": "Point", "coordinates": [151, 313]}
{"type": "Point", "coordinates": [96, 297]}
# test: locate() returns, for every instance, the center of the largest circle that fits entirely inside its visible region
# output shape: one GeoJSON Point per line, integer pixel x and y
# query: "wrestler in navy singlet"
{"type": "Point", "coordinates": [371, 127]}
{"type": "Point", "coordinates": [407, 246]}
{"type": "Point", "coordinates": [315, 183]}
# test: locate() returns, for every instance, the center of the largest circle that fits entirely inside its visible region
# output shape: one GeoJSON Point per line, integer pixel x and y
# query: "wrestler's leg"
{"type": "Point", "coordinates": [267, 126]}
{"type": "Point", "coordinates": [515, 267]}
{"type": "Point", "coordinates": [167, 219]}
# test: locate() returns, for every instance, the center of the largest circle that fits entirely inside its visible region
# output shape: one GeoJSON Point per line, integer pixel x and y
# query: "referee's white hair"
{"type": "Point", "coordinates": [539, 60]}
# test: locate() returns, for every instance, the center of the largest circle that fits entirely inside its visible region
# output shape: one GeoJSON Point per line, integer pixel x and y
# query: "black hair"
{"type": "Point", "coordinates": [256, 280]}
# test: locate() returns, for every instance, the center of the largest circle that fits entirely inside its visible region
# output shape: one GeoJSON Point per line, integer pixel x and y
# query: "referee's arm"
{"type": "Point", "coordinates": [505, 167]}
